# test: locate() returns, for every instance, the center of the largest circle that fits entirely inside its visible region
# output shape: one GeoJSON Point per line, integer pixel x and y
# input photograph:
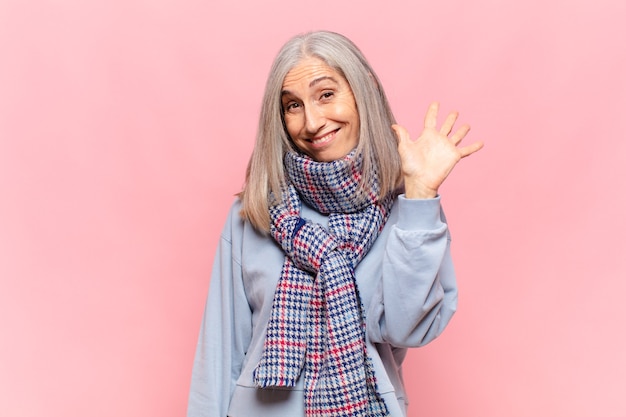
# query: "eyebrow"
{"type": "Point", "coordinates": [320, 79]}
{"type": "Point", "coordinates": [312, 83]}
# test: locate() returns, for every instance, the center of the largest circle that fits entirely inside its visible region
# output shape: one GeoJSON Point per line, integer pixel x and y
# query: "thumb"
{"type": "Point", "coordinates": [401, 133]}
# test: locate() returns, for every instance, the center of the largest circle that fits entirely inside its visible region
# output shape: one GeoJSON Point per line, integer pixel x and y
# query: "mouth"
{"type": "Point", "coordinates": [322, 140]}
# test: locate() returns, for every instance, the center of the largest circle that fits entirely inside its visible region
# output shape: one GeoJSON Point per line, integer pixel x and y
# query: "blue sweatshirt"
{"type": "Point", "coordinates": [406, 283]}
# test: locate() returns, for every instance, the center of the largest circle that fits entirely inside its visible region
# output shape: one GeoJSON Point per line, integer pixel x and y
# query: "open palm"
{"type": "Point", "coordinates": [428, 160]}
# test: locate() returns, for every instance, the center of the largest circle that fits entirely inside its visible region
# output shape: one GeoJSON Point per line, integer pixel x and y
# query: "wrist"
{"type": "Point", "coordinates": [416, 190]}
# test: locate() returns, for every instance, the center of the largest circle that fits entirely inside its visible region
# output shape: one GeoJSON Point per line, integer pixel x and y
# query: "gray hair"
{"type": "Point", "coordinates": [377, 142]}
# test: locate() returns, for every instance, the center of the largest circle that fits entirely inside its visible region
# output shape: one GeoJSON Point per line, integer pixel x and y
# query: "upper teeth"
{"type": "Point", "coordinates": [324, 138]}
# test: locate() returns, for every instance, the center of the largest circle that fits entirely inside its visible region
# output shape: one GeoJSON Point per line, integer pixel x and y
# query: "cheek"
{"type": "Point", "coordinates": [351, 116]}
{"type": "Point", "coordinates": [292, 126]}
{"type": "Point", "coordinates": [348, 112]}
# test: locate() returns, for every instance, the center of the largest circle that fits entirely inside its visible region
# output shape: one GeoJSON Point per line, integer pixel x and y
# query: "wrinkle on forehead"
{"type": "Point", "coordinates": [309, 72]}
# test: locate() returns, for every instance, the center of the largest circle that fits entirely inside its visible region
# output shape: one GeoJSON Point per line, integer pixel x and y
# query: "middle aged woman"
{"type": "Point", "coordinates": [336, 256]}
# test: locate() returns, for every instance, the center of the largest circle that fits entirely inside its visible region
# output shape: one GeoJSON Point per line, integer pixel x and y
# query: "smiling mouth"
{"type": "Point", "coordinates": [319, 141]}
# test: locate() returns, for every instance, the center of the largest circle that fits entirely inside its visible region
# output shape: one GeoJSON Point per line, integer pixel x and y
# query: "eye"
{"type": "Point", "coordinates": [327, 94]}
{"type": "Point", "coordinates": [291, 106]}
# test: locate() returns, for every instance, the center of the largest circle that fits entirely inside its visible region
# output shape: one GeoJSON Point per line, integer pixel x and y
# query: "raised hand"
{"type": "Point", "coordinates": [428, 160]}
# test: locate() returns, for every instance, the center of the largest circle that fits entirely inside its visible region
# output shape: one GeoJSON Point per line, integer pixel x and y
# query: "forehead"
{"type": "Point", "coordinates": [308, 71]}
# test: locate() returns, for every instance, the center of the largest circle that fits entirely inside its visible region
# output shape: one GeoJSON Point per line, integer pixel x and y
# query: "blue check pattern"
{"type": "Point", "coordinates": [317, 323]}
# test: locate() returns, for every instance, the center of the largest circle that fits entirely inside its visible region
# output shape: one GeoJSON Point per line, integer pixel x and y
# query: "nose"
{"type": "Point", "coordinates": [314, 119]}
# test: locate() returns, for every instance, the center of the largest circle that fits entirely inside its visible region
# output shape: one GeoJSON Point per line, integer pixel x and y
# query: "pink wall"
{"type": "Point", "coordinates": [125, 127]}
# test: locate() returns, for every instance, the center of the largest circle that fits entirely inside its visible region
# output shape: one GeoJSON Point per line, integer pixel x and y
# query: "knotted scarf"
{"type": "Point", "coordinates": [317, 322]}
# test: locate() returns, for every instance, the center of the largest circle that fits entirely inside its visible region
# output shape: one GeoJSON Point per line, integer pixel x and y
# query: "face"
{"type": "Point", "coordinates": [319, 110]}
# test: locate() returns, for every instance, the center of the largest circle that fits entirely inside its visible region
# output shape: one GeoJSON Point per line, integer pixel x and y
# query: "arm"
{"type": "Point", "coordinates": [417, 294]}
{"type": "Point", "coordinates": [224, 335]}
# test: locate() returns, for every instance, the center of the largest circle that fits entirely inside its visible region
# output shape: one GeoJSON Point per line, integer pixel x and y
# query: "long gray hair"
{"type": "Point", "coordinates": [377, 142]}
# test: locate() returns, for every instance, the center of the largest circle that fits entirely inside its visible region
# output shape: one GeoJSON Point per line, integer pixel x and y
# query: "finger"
{"type": "Point", "coordinates": [448, 124]}
{"type": "Point", "coordinates": [401, 133]}
{"type": "Point", "coordinates": [458, 136]}
{"type": "Point", "coordinates": [470, 149]}
{"type": "Point", "coordinates": [430, 121]}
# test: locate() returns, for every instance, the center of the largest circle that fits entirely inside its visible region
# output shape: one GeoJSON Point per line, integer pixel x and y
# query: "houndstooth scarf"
{"type": "Point", "coordinates": [317, 321]}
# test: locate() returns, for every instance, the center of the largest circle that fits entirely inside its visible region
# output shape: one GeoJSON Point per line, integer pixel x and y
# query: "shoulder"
{"type": "Point", "coordinates": [234, 222]}
{"type": "Point", "coordinates": [236, 228]}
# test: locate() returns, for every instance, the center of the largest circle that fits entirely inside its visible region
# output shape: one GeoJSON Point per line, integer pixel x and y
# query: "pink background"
{"type": "Point", "coordinates": [125, 127]}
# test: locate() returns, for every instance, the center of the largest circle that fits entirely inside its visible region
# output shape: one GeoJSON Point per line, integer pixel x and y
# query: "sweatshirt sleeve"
{"type": "Point", "coordinates": [225, 332]}
{"type": "Point", "coordinates": [417, 294]}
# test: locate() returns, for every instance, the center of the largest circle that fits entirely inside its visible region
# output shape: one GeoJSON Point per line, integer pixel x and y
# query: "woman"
{"type": "Point", "coordinates": [335, 258]}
